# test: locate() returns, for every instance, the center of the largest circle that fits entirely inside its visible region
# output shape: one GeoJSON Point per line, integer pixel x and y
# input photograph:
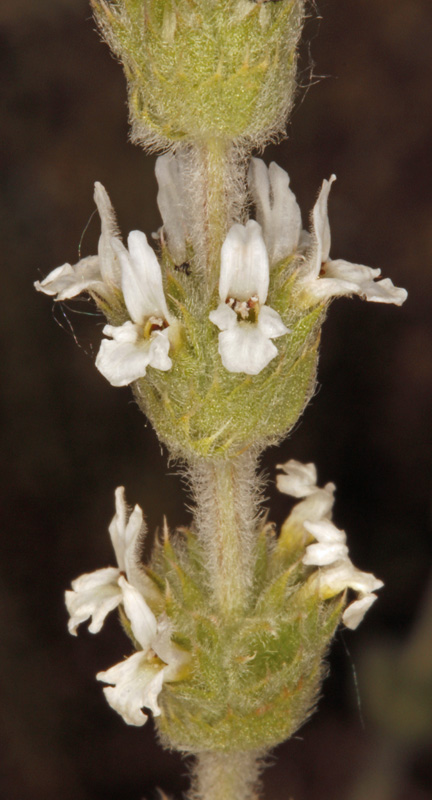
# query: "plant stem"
{"type": "Point", "coordinates": [216, 174]}
{"type": "Point", "coordinates": [226, 513]}
{"type": "Point", "coordinates": [226, 776]}
{"type": "Point", "coordinates": [216, 203]}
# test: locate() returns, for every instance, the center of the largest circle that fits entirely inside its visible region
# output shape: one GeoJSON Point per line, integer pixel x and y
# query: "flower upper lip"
{"type": "Point", "coordinates": [175, 212]}
{"type": "Point", "coordinates": [276, 209]}
{"type": "Point", "coordinates": [101, 273]}
{"type": "Point", "coordinates": [144, 341]}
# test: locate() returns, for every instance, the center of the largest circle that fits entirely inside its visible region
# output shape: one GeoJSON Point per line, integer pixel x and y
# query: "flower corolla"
{"type": "Point", "coordinates": [94, 274]}
{"type": "Point", "coordinates": [276, 207]}
{"type": "Point", "coordinates": [327, 550]}
{"type": "Point", "coordinates": [319, 277]}
{"type": "Point", "coordinates": [324, 278]}
{"type": "Point", "coordinates": [343, 575]}
{"type": "Point", "coordinates": [247, 325]}
{"type": "Point", "coordinates": [137, 681]}
{"type": "Point", "coordinates": [330, 544]}
{"type": "Point", "coordinates": [173, 206]}
{"type": "Point", "coordinates": [97, 593]}
{"type": "Point", "coordinates": [144, 341]}
{"type": "Point", "coordinates": [300, 480]}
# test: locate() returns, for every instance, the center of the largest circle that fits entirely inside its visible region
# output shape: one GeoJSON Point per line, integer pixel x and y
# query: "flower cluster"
{"type": "Point", "coordinates": [247, 325]}
{"type": "Point", "coordinates": [137, 681]}
{"type": "Point", "coordinates": [156, 617]}
{"type": "Point", "coordinates": [325, 544]}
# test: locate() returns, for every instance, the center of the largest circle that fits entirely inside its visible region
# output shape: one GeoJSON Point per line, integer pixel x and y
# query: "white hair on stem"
{"type": "Point", "coordinates": [227, 495]}
{"type": "Point", "coordinates": [218, 776]}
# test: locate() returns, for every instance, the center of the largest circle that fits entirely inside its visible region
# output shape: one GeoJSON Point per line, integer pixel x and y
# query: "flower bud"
{"type": "Point", "coordinates": [204, 70]}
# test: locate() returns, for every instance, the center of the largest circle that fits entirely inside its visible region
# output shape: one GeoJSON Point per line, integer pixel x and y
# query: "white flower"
{"type": "Point", "coordinates": [127, 531]}
{"type": "Point", "coordinates": [356, 610]}
{"type": "Point", "coordinates": [145, 341]}
{"type": "Point", "coordinates": [280, 218]}
{"type": "Point", "coordinates": [173, 206]}
{"type": "Point", "coordinates": [341, 576]}
{"type": "Point", "coordinates": [247, 325]}
{"type": "Point", "coordinates": [324, 278]}
{"type": "Point", "coordinates": [138, 680]}
{"type": "Point", "coordinates": [316, 506]}
{"type": "Point", "coordinates": [99, 274]}
{"type": "Point", "coordinates": [339, 573]}
{"type": "Point", "coordinates": [300, 480]}
{"type": "Point", "coordinates": [95, 594]}
{"type": "Point", "coordinates": [330, 546]}
{"type": "Point", "coordinates": [329, 551]}
{"type": "Point", "coordinates": [344, 575]}
{"type": "Point", "coordinates": [276, 209]}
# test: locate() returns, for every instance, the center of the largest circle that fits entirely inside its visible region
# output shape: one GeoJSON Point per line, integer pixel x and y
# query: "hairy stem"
{"type": "Point", "coordinates": [226, 776]}
{"type": "Point", "coordinates": [217, 195]}
{"type": "Point", "coordinates": [226, 497]}
{"type": "Point", "coordinates": [215, 160]}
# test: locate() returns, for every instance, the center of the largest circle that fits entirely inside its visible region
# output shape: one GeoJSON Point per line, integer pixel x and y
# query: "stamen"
{"type": "Point", "coordinates": [246, 310]}
{"type": "Point", "coordinates": [153, 324]}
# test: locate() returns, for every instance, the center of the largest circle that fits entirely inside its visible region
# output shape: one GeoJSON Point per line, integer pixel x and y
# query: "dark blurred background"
{"type": "Point", "coordinates": [363, 112]}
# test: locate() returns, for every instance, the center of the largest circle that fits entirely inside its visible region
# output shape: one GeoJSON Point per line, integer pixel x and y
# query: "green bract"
{"type": "Point", "coordinates": [198, 408]}
{"type": "Point", "coordinates": [201, 69]}
{"type": "Point", "coordinates": [253, 679]}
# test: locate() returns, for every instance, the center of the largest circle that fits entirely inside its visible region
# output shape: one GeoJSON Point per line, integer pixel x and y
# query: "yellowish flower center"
{"type": "Point", "coordinates": [153, 324]}
{"type": "Point", "coordinates": [246, 310]}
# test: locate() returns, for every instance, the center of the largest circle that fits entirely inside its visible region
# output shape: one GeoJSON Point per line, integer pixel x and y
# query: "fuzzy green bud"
{"type": "Point", "coordinates": [205, 69]}
{"type": "Point", "coordinates": [253, 678]}
{"type": "Point", "coordinates": [199, 408]}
